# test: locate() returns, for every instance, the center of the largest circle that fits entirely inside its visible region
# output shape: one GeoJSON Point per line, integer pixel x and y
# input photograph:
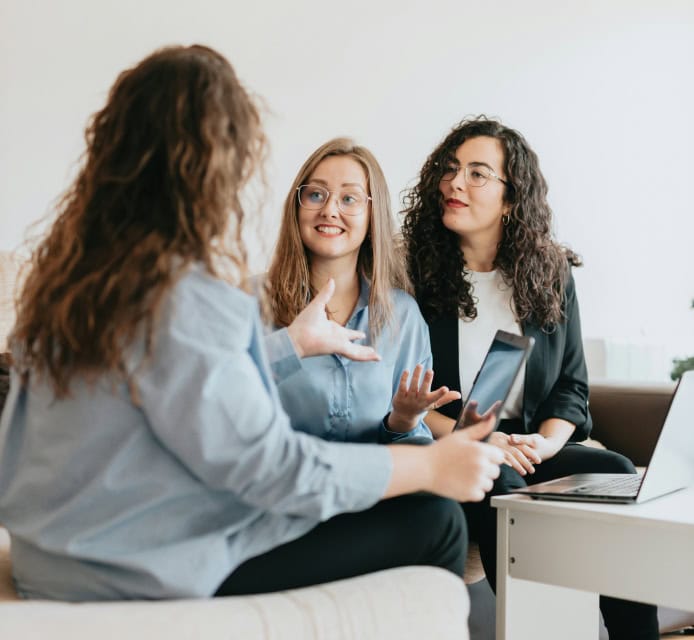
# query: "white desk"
{"type": "Point", "coordinates": [641, 552]}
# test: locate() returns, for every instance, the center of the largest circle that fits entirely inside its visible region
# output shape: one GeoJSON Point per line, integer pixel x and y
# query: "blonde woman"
{"type": "Point", "coordinates": [337, 234]}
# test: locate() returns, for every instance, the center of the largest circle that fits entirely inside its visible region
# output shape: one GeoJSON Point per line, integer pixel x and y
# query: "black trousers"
{"type": "Point", "coordinates": [624, 620]}
{"type": "Point", "coordinates": [417, 529]}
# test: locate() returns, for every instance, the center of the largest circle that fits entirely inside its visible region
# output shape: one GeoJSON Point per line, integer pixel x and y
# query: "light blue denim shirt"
{"type": "Point", "coordinates": [339, 399]}
{"type": "Point", "coordinates": [108, 499]}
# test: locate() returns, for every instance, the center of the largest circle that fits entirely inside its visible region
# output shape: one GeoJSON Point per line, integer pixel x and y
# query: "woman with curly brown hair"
{"type": "Point", "coordinates": [144, 452]}
{"type": "Point", "coordinates": [481, 256]}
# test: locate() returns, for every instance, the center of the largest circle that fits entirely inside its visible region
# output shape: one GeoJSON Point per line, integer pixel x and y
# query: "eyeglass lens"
{"type": "Point", "coordinates": [475, 176]}
{"type": "Point", "coordinates": [349, 201]}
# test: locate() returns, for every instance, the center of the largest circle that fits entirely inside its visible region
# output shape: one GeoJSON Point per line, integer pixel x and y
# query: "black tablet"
{"type": "Point", "coordinates": [496, 376]}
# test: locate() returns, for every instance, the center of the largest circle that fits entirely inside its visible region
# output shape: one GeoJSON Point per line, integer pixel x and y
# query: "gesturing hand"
{"type": "Point", "coordinates": [314, 334]}
{"type": "Point", "coordinates": [410, 401]}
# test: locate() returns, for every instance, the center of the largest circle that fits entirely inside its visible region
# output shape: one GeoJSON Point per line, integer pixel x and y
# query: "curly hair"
{"type": "Point", "coordinates": [528, 257]}
{"type": "Point", "coordinates": [164, 162]}
{"type": "Point", "coordinates": [288, 284]}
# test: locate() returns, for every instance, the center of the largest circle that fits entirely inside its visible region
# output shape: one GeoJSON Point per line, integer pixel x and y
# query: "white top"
{"type": "Point", "coordinates": [494, 311]}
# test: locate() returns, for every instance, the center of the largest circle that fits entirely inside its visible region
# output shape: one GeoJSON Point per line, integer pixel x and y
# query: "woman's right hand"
{"type": "Point", "coordinates": [457, 466]}
{"type": "Point", "coordinates": [314, 334]}
{"type": "Point", "coordinates": [465, 467]}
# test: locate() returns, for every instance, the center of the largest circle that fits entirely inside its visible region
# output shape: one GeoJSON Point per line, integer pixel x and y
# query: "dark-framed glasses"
{"type": "Point", "coordinates": [476, 175]}
{"type": "Point", "coordinates": [351, 201]}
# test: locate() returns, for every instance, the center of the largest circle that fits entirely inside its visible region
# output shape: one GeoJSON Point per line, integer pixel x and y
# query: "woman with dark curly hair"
{"type": "Point", "coordinates": [482, 257]}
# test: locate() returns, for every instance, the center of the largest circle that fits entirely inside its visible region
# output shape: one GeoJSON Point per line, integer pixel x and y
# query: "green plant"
{"type": "Point", "coordinates": [680, 365]}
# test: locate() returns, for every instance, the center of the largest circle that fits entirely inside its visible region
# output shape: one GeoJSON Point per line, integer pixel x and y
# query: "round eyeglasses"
{"type": "Point", "coordinates": [349, 201]}
{"type": "Point", "coordinates": [476, 175]}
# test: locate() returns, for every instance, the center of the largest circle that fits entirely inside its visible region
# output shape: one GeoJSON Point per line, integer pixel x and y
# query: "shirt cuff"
{"type": "Point", "coordinates": [386, 436]}
{"type": "Point", "coordinates": [280, 350]}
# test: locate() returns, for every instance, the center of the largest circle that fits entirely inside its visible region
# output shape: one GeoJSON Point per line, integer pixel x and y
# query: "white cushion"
{"type": "Point", "coordinates": [409, 603]}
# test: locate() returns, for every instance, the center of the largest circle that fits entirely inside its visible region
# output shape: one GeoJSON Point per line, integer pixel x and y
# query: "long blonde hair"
{"type": "Point", "coordinates": [157, 190]}
{"type": "Point", "coordinates": [288, 285]}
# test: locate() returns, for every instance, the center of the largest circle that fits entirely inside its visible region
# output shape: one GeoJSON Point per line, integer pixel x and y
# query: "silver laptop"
{"type": "Point", "coordinates": [671, 466]}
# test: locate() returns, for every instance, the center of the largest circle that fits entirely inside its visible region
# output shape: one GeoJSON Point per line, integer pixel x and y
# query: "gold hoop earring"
{"type": "Point", "coordinates": [506, 219]}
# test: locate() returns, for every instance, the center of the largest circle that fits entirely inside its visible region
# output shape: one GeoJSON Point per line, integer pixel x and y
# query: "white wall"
{"type": "Point", "coordinates": [603, 91]}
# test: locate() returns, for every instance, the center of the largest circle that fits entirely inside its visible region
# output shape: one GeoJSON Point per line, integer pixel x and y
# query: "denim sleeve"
{"type": "Point", "coordinates": [281, 354]}
{"type": "Point", "coordinates": [386, 436]}
{"type": "Point", "coordinates": [210, 399]}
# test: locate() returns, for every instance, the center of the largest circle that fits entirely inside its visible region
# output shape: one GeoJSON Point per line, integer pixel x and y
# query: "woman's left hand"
{"type": "Point", "coordinates": [534, 446]}
{"type": "Point", "coordinates": [413, 399]}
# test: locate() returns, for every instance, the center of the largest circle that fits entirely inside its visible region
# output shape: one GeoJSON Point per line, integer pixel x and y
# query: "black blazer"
{"type": "Point", "coordinates": [556, 379]}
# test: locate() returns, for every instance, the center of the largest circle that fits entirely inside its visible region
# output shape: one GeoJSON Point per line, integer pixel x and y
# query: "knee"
{"type": "Point", "coordinates": [445, 538]}
{"type": "Point", "coordinates": [508, 479]}
{"type": "Point", "coordinates": [443, 517]}
{"type": "Point", "coordinates": [603, 461]}
{"type": "Point", "coordinates": [613, 462]}
{"type": "Point", "coordinates": [446, 514]}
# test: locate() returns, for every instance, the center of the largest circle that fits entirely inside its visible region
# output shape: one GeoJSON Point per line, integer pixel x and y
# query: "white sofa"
{"type": "Point", "coordinates": [410, 603]}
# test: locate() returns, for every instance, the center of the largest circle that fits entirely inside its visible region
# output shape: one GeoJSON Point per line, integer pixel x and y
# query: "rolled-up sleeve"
{"type": "Point", "coordinates": [568, 398]}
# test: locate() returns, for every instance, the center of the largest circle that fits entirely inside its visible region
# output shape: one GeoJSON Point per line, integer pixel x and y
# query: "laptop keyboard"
{"type": "Point", "coordinates": [614, 487]}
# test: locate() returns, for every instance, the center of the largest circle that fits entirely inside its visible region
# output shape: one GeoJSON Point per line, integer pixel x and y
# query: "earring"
{"type": "Point", "coordinates": [506, 219]}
